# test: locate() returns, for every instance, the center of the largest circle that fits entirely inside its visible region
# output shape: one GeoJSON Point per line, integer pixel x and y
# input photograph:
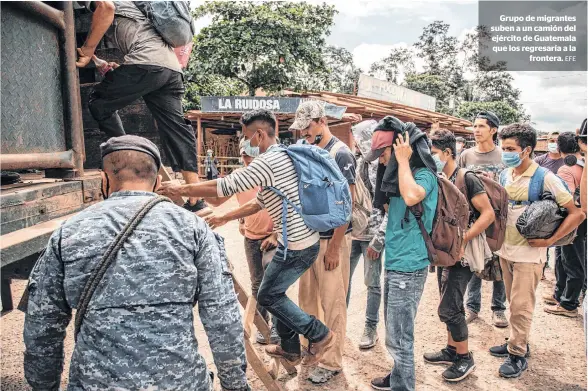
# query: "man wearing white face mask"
{"type": "Point", "coordinates": [552, 160]}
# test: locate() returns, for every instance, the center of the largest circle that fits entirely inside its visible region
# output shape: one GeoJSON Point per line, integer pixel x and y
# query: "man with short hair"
{"type": "Point", "coordinates": [323, 288]}
{"type": "Point", "coordinates": [138, 331]}
{"type": "Point", "coordinates": [272, 168]}
{"type": "Point", "coordinates": [571, 270]}
{"type": "Point", "coordinates": [259, 235]}
{"type": "Point", "coordinates": [368, 244]}
{"type": "Point", "coordinates": [552, 160]}
{"type": "Point", "coordinates": [521, 260]}
{"type": "Point", "coordinates": [459, 145]}
{"type": "Point", "coordinates": [486, 157]}
{"type": "Point", "coordinates": [453, 280]}
{"type": "Point", "coordinates": [151, 71]}
{"type": "Point", "coordinates": [406, 177]}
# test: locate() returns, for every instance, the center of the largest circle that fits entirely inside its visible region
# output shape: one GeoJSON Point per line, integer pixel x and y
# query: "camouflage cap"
{"type": "Point", "coordinates": [306, 112]}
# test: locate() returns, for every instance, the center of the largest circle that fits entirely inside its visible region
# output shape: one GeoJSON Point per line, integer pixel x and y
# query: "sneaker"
{"type": "Point", "coordinates": [369, 338]}
{"type": "Point", "coordinates": [260, 339]}
{"type": "Point", "coordinates": [499, 319]}
{"type": "Point", "coordinates": [443, 357]}
{"type": "Point", "coordinates": [381, 383]}
{"type": "Point", "coordinates": [502, 350]}
{"type": "Point", "coordinates": [322, 375]}
{"type": "Point", "coordinates": [513, 366]}
{"type": "Point", "coordinates": [559, 310]}
{"type": "Point", "coordinates": [460, 369]}
{"type": "Point", "coordinates": [471, 316]}
{"type": "Point", "coordinates": [201, 208]}
{"type": "Point", "coordinates": [276, 351]}
{"type": "Point", "coordinates": [550, 300]}
{"type": "Point", "coordinates": [317, 349]}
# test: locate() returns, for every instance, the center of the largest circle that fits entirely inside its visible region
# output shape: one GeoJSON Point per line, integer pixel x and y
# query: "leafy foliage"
{"type": "Point", "coordinates": [399, 61]}
{"type": "Point", "coordinates": [270, 45]}
{"type": "Point", "coordinates": [504, 110]}
{"type": "Point", "coordinates": [454, 72]}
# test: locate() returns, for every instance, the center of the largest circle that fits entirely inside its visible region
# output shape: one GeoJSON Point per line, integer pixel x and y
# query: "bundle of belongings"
{"type": "Point", "coordinates": [542, 218]}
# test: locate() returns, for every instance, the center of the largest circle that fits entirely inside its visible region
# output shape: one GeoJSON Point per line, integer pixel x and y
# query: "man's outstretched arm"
{"type": "Point", "coordinates": [47, 317]}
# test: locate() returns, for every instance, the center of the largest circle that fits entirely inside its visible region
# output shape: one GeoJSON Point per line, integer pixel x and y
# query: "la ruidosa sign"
{"type": "Point", "coordinates": [241, 104]}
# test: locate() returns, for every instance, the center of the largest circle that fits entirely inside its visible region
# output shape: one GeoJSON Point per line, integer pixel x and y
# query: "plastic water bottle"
{"type": "Point", "coordinates": [102, 66]}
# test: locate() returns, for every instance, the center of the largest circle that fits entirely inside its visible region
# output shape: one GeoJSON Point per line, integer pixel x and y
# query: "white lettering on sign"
{"type": "Point", "coordinates": [370, 87]}
{"type": "Point", "coordinates": [253, 104]}
{"type": "Point", "coordinates": [225, 105]}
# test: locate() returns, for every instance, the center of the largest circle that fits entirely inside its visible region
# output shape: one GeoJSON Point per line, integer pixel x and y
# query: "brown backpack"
{"type": "Point", "coordinates": [449, 225]}
{"type": "Point", "coordinates": [498, 199]}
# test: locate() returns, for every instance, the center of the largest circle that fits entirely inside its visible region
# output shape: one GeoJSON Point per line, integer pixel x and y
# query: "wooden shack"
{"type": "Point", "coordinates": [218, 128]}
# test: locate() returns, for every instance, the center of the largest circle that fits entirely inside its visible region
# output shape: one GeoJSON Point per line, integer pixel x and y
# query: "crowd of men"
{"type": "Point", "coordinates": [134, 266]}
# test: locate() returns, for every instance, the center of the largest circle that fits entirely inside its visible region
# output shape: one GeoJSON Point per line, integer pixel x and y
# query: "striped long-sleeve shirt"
{"type": "Point", "coordinates": [273, 168]}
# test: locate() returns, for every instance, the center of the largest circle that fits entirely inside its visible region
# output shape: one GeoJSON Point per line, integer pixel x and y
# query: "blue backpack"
{"type": "Point", "coordinates": [535, 185]}
{"type": "Point", "coordinates": [325, 198]}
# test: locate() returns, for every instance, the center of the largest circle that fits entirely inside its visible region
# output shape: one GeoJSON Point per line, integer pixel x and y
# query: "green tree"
{"type": "Point", "coordinates": [432, 85]}
{"type": "Point", "coordinates": [343, 74]}
{"type": "Point", "coordinates": [269, 45]}
{"type": "Point", "coordinates": [399, 61]}
{"type": "Point", "coordinates": [506, 113]}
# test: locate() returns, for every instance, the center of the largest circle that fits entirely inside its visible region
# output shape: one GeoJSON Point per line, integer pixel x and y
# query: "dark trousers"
{"type": "Point", "coordinates": [290, 320]}
{"type": "Point", "coordinates": [453, 282]}
{"type": "Point", "coordinates": [572, 274]}
{"type": "Point", "coordinates": [162, 90]}
{"type": "Point", "coordinates": [254, 257]}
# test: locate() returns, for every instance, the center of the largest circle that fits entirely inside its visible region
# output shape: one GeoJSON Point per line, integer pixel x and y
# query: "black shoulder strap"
{"type": "Point", "coordinates": [108, 258]}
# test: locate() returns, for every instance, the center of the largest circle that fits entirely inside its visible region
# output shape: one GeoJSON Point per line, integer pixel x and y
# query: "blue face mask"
{"type": "Point", "coordinates": [249, 150]}
{"type": "Point", "coordinates": [511, 159]}
{"type": "Point", "coordinates": [439, 163]}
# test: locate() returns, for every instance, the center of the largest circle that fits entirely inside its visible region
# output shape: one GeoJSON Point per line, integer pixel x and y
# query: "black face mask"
{"type": "Point", "coordinates": [380, 198]}
{"type": "Point", "coordinates": [318, 139]}
{"type": "Point", "coordinates": [105, 196]}
{"type": "Point", "coordinates": [570, 160]}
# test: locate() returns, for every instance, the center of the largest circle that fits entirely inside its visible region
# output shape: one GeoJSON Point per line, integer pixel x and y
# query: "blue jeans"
{"type": "Point", "coordinates": [291, 321]}
{"type": "Point", "coordinates": [402, 294]}
{"type": "Point", "coordinates": [474, 295]}
{"type": "Point", "coordinates": [372, 271]}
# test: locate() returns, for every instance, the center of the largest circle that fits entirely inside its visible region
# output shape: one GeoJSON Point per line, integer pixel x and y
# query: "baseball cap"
{"type": "Point", "coordinates": [306, 112]}
{"type": "Point", "coordinates": [131, 142]}
{"type": "Point", "coordinates": [582, 133]}
{"type": "Point", "coordinates": [490, 117]}
{"type": "Point", "coordinates": [385, 133]}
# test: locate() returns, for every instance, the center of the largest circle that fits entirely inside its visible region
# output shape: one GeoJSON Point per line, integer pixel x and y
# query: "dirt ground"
{"type": "Point", "coordinates": [557, 362]}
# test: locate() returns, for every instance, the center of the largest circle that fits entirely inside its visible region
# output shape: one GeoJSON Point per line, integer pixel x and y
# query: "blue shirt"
{"type": "Point", "coordinates": [405, 246]}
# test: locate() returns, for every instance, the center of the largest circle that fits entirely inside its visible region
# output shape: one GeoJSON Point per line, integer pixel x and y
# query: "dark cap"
{"type": "Point", "coordinates": [582, 130]}
{"type": "Point", "coordinates": [131, 143]}
{"type": "Point", "coordinates": [385, 133]}
{"type": "Point", "coordinates": [489, 116]}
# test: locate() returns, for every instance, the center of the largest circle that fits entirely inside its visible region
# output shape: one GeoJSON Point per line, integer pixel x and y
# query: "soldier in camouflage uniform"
{"type": "Point", "coordinates": [138, 332]}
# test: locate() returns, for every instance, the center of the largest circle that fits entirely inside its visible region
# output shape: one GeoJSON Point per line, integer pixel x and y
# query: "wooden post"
{"type": "Point", "coordinates": [199, 142]}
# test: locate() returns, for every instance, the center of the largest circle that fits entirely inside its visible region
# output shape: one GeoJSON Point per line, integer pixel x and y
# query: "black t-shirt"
{"type": "Point", "coordinates": [474, 186]}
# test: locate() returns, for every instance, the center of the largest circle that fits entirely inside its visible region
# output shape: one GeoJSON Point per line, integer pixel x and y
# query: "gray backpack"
{"type": "Point", "coordinates": [172, 20]}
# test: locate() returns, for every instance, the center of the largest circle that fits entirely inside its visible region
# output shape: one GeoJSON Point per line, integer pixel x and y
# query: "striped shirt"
{"type": "Point", "coordinates": [273, 168]}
